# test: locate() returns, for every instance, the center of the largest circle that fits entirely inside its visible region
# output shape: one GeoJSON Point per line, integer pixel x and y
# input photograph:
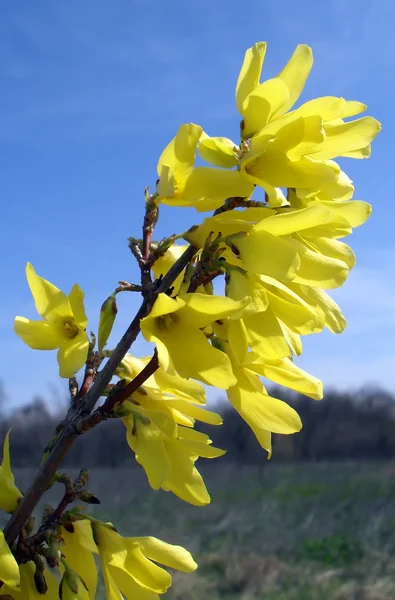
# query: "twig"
{"type": "Point", "coordinates": [125, 392]}
{"type": "Point", "coordinates": [92, 365]}
{"type": "Point", "coordinates": [202, 279]}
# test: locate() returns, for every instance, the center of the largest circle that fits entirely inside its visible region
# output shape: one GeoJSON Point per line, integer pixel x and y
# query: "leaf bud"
{"type": "Point", "coordinates": [108, 313]}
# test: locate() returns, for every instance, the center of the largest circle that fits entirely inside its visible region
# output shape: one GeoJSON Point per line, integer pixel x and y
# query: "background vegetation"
{"type": "Point", "coordinates": [316, 522]}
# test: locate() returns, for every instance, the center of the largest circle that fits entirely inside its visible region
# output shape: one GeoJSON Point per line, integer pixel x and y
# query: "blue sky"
{"type": "Point", "coordinates": [91, 92]}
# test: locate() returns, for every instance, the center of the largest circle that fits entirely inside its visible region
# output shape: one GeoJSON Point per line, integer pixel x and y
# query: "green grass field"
{"type": "Point", "coordinates": [276, 532]}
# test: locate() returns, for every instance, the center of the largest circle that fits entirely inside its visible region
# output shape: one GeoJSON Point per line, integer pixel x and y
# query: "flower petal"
{"type": "Point", "coordinates": [304, 173]}
{"type": "Point", "coordinates": [180, 153]}
{"type": "Point", "coordinates": [51, 303]}
{"type": "Point", "coordinates": [321, 301]}
{"type": "Point", "coordinates": [285, 372]}
{"type": "Point", "coordinates": [289, 308]}
{"type": "Point", "coordinates": [194, 356]}
{"type": "Point", "coordinates": [295, 74]}
{"type": "Point", "coordinates": [207, 188]}
{"type": "Point", "coordinates": [295, 220]}
{"type": "Point", "coordinates": [218, 151]}
{"type": "Point", "coordinates": [9, 493]}
{"type": "Point", "coordinates": [39, 335]}
{"type": "Point", "coordinates": [164, 306]}
{"type": "Point", "coordinates": [146, 573]}
{"type": "Point", "coordinates": [149, 448]}
{"type": "Point", "coordinates": [346, 137]}
{"type": "Point", "coordinates": [165, 262]}
{"type": "Point", "coordinates": [265, 335]}
{"type": "Point", "coordinates": [250, 73]}
{"type": "Point", "coordinates": [72, 355]}
{"type": "Point", "coordinates": [327, 107]}
{"type": "Point", "coordinates": [185, 480]}
{"type": "Point", "coordinates": [356, 212]}
{"type": "Point", "coordinates": [262, 104]}
{"type": "Point", "coordinates": [262, 412]}
{"type": "Point", "coordinates": [9, 570]}
{"type": "Point", "coordinates": [318, 270]}
{"type": "Point", "coordinates": [80, 560]}
{"type": "Point", "coordinates": [262, 252]}
{"type": "Point", "coordinates": [76, 301]}
{"type": "Point", "coordinates": [200, 310]}
{"type": "Point", "coordinates": [171, 556]}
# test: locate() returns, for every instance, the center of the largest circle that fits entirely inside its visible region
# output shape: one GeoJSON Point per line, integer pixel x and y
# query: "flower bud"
{"type": "Point", "coordinates": [88, 497]}
{"type": "Point", "coordinates": [108, 312]}
{"type": "Point", "coordinates": [69, 582]}
{"type": "Point", "coordinates": [39, 578]}
{"type": "Point", "coordinates": [54, 551]}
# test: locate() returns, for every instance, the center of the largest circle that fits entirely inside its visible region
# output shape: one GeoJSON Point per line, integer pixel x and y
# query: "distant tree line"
{"type": "Point", "coordinates": [343, 426]}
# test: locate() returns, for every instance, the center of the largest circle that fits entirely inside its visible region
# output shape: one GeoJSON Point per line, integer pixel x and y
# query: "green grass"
{"type": "Point", "coordinates": [276, 532]}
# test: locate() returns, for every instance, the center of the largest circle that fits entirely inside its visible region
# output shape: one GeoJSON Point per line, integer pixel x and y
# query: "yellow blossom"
{"type": "Point", "coordinates": [63, 325]}
{"type": "Point", "coordinates": [9, 493]}
{"type": "Point", "coordinates": [295, 149]}
{"type": "Point", "coordinates": [128, 568]}
{"type": "Point", "coordinates": [168, 453]}
{"type": "Point", "coordinates": [183, 184]}
{"type": "Point", "coordinates": [79, 558]}
{"type": "Point", "coordinates": [175, 326]}
{"type": "Point", "coordinates": [263, 413]}
{"type": "Point", "coordinates": [260, 103]}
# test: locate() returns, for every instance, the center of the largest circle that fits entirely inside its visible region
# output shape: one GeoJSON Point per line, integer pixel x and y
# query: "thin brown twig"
{"type": "Point", "coordinates": [125, 392]}
{"type": "Point", "coordinates": [202, 279]}
{"type": "Point", "coordinates": [92, 365]}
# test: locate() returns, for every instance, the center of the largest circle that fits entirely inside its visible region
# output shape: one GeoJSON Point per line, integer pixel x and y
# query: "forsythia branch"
{"type": "Point", "coordinates": [70, 432]}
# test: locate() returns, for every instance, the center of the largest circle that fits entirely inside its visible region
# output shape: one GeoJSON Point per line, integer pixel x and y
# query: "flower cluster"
{"type": "Point", "coordinates": [235, 312]}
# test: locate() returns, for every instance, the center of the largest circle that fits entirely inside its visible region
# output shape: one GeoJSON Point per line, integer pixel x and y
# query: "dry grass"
{"type": "Point", "coordinates": [278, 532]}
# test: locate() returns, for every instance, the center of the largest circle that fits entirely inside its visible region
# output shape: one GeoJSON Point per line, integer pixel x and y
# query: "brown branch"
{"type": "Point", "coordinates": [125, 392]}
{"type": "Point", "coordinates": [202, 278]}
{"type": "Point", "coordinates": [150, 219]}
{"type": "Point", "coordinates": [39, 485]}
{"type": "Point", "coordinates": [69, 432]}
{"type": "Point", "coordinates": [92, 365]}
{"type": "Point", "coordinates": [55, 517]}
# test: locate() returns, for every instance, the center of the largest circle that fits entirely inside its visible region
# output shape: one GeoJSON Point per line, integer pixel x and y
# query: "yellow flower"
{"type": "Point", "coordinates": [9, 493]}
{"type": "Point", "coordinates": [295, 150]}
{"type": "Point", "coordinates": [273, 304]}
{"type": "Point", "coordinates": [79, 558]}
{"type": "Point", "coordinates": [307, 258]}
{"type": "Point", "coordinates": [128, 568]}
{"type": "Point", "coordinates": [175, 327]}
{"type": "Point", "coordinates": [324, 306]}
{"type": "Point", "coordinates": [63, 325]}
{"type": "Point", "coordinates": [182, 184]}
{"type": "Point", "coordinates": [260, 103]}
{"type": "Point", "coordinates": [9, 570]}
{"type": "Point", "coordinates": [168, 453]}
{"type": "Point", "coordinates": [264, 414]}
